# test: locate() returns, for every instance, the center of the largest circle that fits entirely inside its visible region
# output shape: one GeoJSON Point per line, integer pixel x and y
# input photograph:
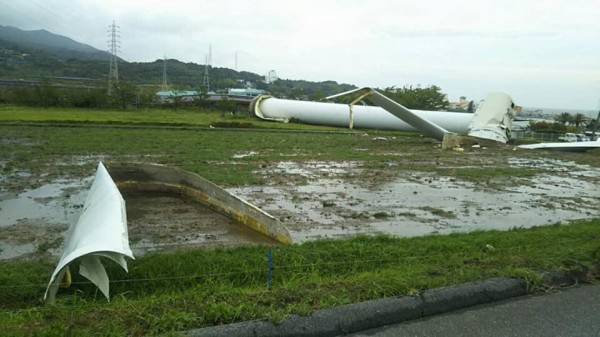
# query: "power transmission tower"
{"type": "Point", "coordinates": [164, 84]}
{"type": "Point", "coordinates": [207, 64]}
{"type": "Point", "coordinates": [113, 73]}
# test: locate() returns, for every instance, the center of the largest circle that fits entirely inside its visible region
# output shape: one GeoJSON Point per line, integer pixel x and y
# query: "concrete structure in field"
{"type": "Point", "coordinates": [163, 179]}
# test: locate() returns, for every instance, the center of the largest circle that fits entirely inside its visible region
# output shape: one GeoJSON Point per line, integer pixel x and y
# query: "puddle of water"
{"type": "Point", "coordinates": [310, 169]}
{"type": "Point", "coordinates": [555, 165]}
{"type": "Point", "coordinates": [40, 216]}
{"type": "Point", "coordinates": [10, 250]}
{"type": "Point", "coordinates": [244, 155]}
{"type": "Point", "coordinates": [59, 202]}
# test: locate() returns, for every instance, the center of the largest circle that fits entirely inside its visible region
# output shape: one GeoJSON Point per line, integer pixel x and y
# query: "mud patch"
{"type": "Point", "coordinates": [330, 204]}
{"type": "Point", "coordinates": [28, 237]}
{"type": "Point", "coordinates": [158, 221]}
{"type": "Point", "coordinates": [36, 222]}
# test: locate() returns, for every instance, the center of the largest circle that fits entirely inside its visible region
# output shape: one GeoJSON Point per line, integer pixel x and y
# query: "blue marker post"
{"type": "Point", "coordinates": [270, 268]}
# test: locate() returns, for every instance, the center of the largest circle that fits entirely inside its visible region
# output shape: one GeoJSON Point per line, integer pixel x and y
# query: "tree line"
{"type": "Point", "coordinates": [566, 122]}
{"type": "Point", "coordinates": [57, 80]}
{"type": "Point", "coordinates": [125, 95]}
{"type": "Point", "coordinates": [47, 95]}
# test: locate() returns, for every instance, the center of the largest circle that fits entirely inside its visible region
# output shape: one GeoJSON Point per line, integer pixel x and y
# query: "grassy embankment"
{"type": "Point", "coordinates": [182, 290]}
{"type": "Point", "coordinates": [189, 289]}
{"type": "Point", "coordinates": [190, 117]}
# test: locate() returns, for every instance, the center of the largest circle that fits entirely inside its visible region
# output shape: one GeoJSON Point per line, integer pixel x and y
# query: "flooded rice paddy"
{"type": "Point", "coordinates": [315, 200]}
{"type": "Point", "coordinates": [414, 204]}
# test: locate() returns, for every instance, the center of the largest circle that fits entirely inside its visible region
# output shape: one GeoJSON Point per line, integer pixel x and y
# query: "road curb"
{"type": "Point", "coordinates": [361, 316]}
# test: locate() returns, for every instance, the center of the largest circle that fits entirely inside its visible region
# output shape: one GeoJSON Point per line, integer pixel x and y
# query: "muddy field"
{"type": "Point", "coordinates": [411, 204]}
{"type": "Point", "coordinates": [319, 199]}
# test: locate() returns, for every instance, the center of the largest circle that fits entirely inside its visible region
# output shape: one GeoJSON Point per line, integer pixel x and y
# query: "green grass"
{"type": "Point", "coordinates": [142, 116]}
{"type": "Point", "coordinates": [189, 289]}
{"type": "Point", "coordinates": [208, 152]}
{"type": "Point", "coordinates": [190, 117]}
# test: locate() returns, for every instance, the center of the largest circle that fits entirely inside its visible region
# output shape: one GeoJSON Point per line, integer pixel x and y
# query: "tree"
{"type": "Point", "coordinates": [21, 95]}
{"type": "Point", "coordinates": [594, 125]}
{"type": "Point", "coordinates": [317, 96]}
{"type": "Point", "coordinates": [226, 105]}
{"type": "Point", "coordinates": [147, 96]}
{"type": "Point", "coordinates": [88, 98]}
{"type": "Point", "coordinates": [123, 94]}
{"type": "Point", "coordinates": [176, 100]}
{"type": "Point", "coordinates": [542, 126]}
{"type": "Point", "coordinates": [563, 118]}
{"type": "Point", "coordinates": [296, 93]}
{"type": "Point", "coordinates": [429, 98]}
{"type": "Point", "coordinates": [4, 95]}
{"type": "Point", "coordinates": [223, 84]}
{"type": "Point", "coordinates": [46, 95]}
{"type": "Point", "coordinates": [201, 99]}
{"type": "Point", "coordinates": [578, 119]}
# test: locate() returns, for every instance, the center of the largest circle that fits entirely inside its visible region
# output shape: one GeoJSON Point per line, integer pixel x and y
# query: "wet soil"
{"type": "Point", "coordinates": [406, 195]}
{"type": "Point", "coordinates": [36, 222]}
{"type": "Point", "coordinates": [329, 205]}
{"type": "Point", "coordinates": [159, 221]}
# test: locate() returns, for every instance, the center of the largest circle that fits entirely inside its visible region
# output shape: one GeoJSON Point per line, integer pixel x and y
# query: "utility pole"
{"type": "Point", "coordinates": [207, 64]}
{"type": "Point", "coordinates": [164, 83]}
{"type": "Point", "coordinates": [113, 72]}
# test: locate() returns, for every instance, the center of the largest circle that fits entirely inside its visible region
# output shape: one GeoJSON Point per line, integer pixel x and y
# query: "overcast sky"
{"type": "Point", "coordinates": [543, 53]}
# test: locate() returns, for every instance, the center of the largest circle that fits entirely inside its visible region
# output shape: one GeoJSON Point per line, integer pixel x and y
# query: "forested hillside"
{"type": "Point", "coordinates": [40, 56]}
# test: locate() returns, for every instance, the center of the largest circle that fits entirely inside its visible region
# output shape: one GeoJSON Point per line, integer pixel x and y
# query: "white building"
{"type": "Point", "coordinates": [271, 77]}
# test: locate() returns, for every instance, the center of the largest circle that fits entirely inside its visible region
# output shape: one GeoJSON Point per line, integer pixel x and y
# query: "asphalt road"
{"type": "Point", "coordinates": [566, 312]}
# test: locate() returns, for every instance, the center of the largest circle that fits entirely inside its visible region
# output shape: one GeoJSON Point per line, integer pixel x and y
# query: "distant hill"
{"type": "Point", "coordinates": [40, 55]}
{"type": "Point", "coordinates": [61, 47]}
